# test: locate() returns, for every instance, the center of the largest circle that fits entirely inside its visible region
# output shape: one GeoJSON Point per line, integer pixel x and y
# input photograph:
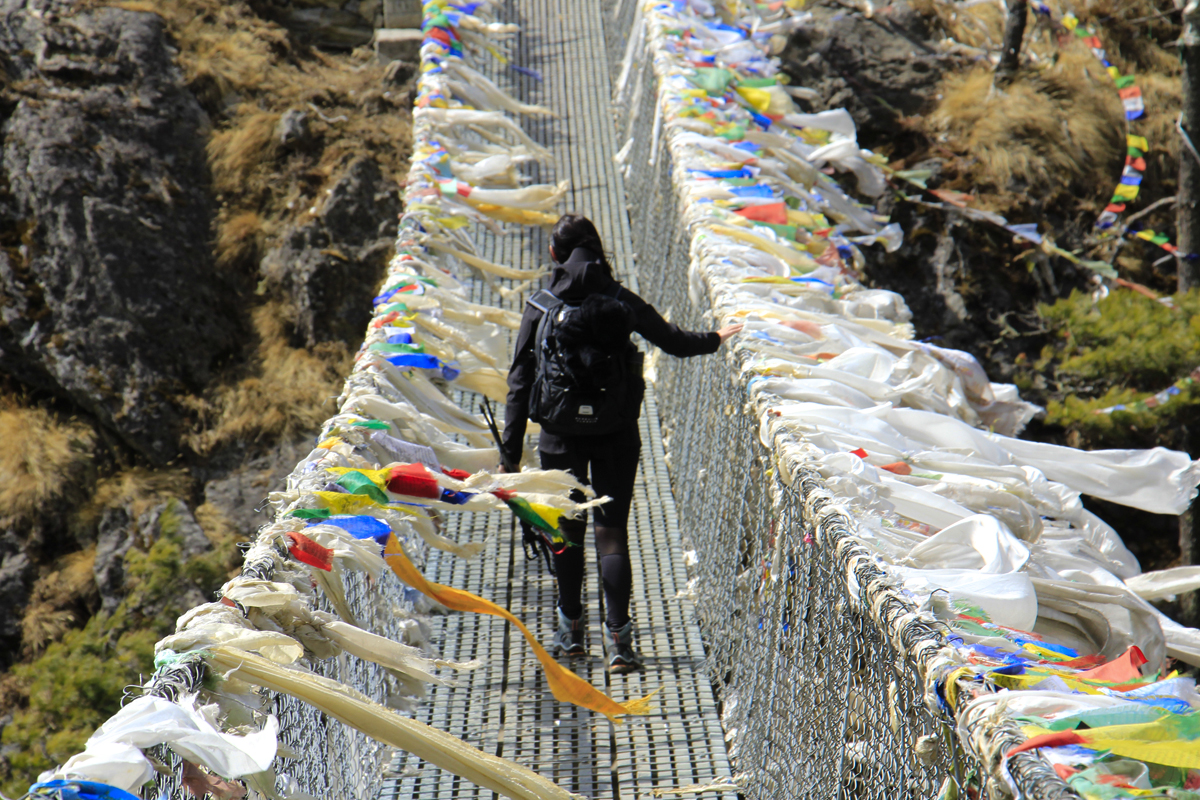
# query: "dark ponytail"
{"type": "Point", "coordinates": [573, 231]}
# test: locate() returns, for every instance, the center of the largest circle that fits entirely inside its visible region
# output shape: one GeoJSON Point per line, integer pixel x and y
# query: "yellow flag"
{"type": "Point", "coordinates": [378, 477]}
{"type": "Point", "coordinates": [519, 216]}
{"type": "Point", "coordinates": [767, 279]}
{"type": "Point", "coordinates": [548, 513]}
{"type": "Point", "coordinates": [565, 685]}
{"type": "Point", "coordinates": [759, 99]}
{"type": "Point", "coordinates": [1173, 753]}
{"type": "Point", "coordinates": [342, 503]}
{"type": "Point", "coordinates": [1127, 192]}
{"type": "Point", "coordinates": [1138, 141]}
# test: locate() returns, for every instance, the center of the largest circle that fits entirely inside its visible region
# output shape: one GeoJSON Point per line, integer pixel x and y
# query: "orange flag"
{"type": "Point", "coordinates": [1124, 670]}
{"type": "Point", "coordinates": [775, 213]}
{"type": "Point", "coordinates": [564, 684]}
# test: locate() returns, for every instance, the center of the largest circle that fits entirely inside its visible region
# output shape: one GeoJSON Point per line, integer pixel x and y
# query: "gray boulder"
{"type": "Point", "coordinates": [119, 532]}
{"type": "Point", "coordinates": [880, 69]}
{"type": "Point", "coordinates": [240, 495]}
{"type": "Point", "coordinates": [107, 289]}
{"type": "Point", "coordinates": [114, 536]}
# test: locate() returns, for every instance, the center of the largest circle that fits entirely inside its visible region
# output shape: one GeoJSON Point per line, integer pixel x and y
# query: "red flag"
{"type": "Point", "coordinates": [1056, 739]}
{"type": "Point", "coordinates": [413, 480]}
{"type": "Point", "coordinates": [306, 551]}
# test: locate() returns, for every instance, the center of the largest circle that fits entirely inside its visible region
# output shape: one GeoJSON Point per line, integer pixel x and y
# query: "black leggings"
{"type": "Point", "coordinates": [613, 461]}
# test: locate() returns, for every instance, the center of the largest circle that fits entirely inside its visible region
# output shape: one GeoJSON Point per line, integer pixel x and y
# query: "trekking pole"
{"type": "Point", "coordinates": [533, 543]}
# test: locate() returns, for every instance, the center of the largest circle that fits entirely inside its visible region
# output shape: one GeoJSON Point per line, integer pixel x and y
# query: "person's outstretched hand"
{"type": "Point", "coordinates": [730, 330]}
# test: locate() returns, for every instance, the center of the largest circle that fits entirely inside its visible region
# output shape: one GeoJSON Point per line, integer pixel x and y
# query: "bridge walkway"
{"type": "Point", "coordinates": [505, 707]}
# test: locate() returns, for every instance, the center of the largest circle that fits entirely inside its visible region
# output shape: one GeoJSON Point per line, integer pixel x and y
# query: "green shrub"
{"type": "Point", "coordinates": [72, 688]}
{"type": "Point", "coordinates": [1126, 339]}
{"type": "Point", "coordinates": [78, 682]}
{"type": "Point", "coordinates": [1120, 350]}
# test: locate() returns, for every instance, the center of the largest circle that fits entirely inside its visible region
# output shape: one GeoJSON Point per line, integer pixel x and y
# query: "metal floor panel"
{"type": "Point", "coordinates": [504, 707]}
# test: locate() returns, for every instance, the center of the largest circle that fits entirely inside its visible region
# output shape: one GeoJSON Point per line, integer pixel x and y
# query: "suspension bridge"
{"type": "Point", "coordinates": [793, 639]}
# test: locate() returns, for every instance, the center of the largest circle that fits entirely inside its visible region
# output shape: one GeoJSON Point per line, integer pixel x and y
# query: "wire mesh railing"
{"type": "Point", "coordinates": [816, 663]}
{"type": "Point", "coordinates": [319, 756]}
{"type": "Point", "coordinates": [815, 699]}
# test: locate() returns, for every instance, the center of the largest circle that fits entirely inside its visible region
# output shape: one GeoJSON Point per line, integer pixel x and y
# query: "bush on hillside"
{"type": "Point", "coordinates": [1117, 351]}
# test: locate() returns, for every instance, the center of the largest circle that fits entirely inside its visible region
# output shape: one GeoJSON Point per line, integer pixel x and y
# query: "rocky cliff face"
{"type": "Point", "coordinates": [128, 333]}
{"type": "Point", "coordinates": [887, 71]}
{"type": "Point", "coordinates": [881, 69]}
{"type": "Point", "coordinates": [319, 267]}
{"type": "Point", "coordinates": [108, 295]}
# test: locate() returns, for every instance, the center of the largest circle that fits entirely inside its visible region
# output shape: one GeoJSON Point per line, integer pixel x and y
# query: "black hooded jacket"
{"type": "Point", "coordinates": [572, 281]}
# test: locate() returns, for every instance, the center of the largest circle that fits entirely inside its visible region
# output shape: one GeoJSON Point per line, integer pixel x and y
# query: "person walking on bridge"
{"type": "Point", "coordinates": [577, 374]}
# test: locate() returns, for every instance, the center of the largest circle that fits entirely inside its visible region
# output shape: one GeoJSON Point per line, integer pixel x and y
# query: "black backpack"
{"type": "Point", "coordinates": [588, 378]}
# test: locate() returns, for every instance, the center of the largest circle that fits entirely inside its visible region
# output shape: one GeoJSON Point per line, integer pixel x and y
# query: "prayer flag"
{"type": "Point", "coordinates": [564, 684]}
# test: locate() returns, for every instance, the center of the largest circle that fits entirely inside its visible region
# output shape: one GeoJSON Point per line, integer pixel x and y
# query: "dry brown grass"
{"type": "Point", "coordinates": [138, 488]}
{"type": "Point", "coordinates": [239, 237]}
{"type": "Point", "coordinates": [977, 26]}
{"type": "Point", "coordinates": [247, 72]}
{"type": "Point", "coordinates": [1056, 135]}
{"type": "Point", "coordinates": [1048, 132]}
{"type": "Point", "coordinates": [284, 395]}
{"type": "Point", "coordinates": [43, 460]}
{"type": "Point", "coordinates": [217, 526]}
{"type": "Point", "coordinates": [50, 611]}
{"type": "Point", "coordinates": [241, 153]}
{"type": "Point", "coordinates": [224, 46]}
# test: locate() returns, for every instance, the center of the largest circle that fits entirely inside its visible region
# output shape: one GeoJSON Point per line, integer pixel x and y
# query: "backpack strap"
{"type": "Point", "coordinates": [544, 301]}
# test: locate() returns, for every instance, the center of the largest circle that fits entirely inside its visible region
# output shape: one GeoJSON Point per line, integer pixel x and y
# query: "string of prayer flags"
{"type": "Point", "coordinates": [1133, 102]}
{"type": "Point", "coordinates": [1158, 399]}
{"type": "Point", "coordinates": [1160, 239]}
{"type": "Point", "coordinates": [1172, 740]}
{"type": "Point", "coordinates": [412, 483]}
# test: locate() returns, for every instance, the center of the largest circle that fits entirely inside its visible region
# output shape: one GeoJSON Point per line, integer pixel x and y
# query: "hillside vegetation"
{"type": "Point", "coordinates": [103, 544]}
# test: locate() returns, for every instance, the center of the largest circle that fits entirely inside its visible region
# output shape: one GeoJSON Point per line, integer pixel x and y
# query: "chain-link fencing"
{"type": "Point", "coordinates": [323, 757]}
{"type": "Point", "coordinates": [816, 661]}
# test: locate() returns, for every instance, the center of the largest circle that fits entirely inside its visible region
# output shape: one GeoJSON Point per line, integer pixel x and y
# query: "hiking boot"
{"type": "Point", "coordinates": [622, 659]}
{"type": "Point", "coordinates": [571, 638]}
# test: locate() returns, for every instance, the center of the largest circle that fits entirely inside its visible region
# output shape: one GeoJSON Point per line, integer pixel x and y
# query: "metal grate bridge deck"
{"type": "Point", "coordinates": [504, 707]}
